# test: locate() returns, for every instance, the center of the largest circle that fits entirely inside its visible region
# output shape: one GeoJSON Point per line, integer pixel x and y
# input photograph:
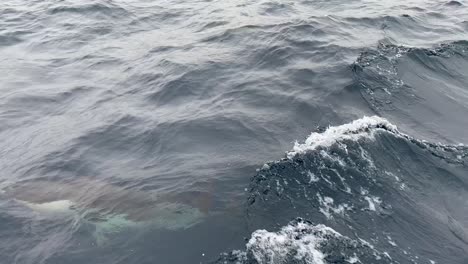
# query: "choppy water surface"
{"type": "Point", "coordinates": [155, 131]}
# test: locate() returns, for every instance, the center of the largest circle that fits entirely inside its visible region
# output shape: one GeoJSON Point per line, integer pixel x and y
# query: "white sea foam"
{"type": "Point", "coordinates": [306, 242]}
{"type": "Point", "coordinates": [360, 128]}
{"type": "Point", "coordinates": [312, 177]}
{"type": "Point", "coordinates": [353, 259]}
{"type": "Point", "coordinates": [271, 247]}
{"type": "Point", "coordinates": [366, 127]}
{"type": "Point", "coordinates": [374, 202]}
{"type": "Point", "coordinates": [390, 241]}
{"type": "Point", "coordinates": [328, 208]}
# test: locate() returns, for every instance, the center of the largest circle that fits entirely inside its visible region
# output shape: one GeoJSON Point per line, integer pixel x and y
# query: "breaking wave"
{"type": "Point", "coordinates": [385, 193]}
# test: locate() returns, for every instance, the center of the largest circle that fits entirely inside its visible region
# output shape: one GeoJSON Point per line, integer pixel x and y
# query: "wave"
{"type": "Point", "coordinates": [104, 8]}
{"type": "Point", "coordinates": [302, 242]}
{"type": "Point", "coordinates": [364, 127]}
{"type": "Point", "coordinates": [423, 88]}
{"type": "Point", "coordinates": [369, 182]}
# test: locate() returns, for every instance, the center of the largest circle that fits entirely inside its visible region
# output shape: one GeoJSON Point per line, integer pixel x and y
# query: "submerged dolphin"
{"type": "Point", "coordinates": [111, 207]}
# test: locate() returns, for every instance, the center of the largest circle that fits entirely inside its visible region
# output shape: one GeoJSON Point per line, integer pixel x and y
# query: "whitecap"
{"type": "Point", "coordinates": [360, 128]}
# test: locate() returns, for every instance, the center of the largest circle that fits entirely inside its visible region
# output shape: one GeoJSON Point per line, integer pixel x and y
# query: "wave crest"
{"type": "Point", "coordinates": [364, 127]}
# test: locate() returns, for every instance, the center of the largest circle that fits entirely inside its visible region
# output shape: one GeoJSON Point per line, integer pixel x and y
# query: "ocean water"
{"type": "Point", "coordinates": [266, 132]}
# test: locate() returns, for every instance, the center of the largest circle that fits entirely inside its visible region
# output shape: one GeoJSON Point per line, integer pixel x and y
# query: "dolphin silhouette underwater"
{"type": "Point", "coordinates": [111, 208]}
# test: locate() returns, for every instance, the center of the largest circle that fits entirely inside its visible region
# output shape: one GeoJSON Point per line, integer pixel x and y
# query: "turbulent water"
{"type": "Point", "coordinates": [138, 131]}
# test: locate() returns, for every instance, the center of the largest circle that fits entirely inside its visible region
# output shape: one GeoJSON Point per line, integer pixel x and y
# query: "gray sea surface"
{"type": "Point", "coordinates": [136, 131]}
